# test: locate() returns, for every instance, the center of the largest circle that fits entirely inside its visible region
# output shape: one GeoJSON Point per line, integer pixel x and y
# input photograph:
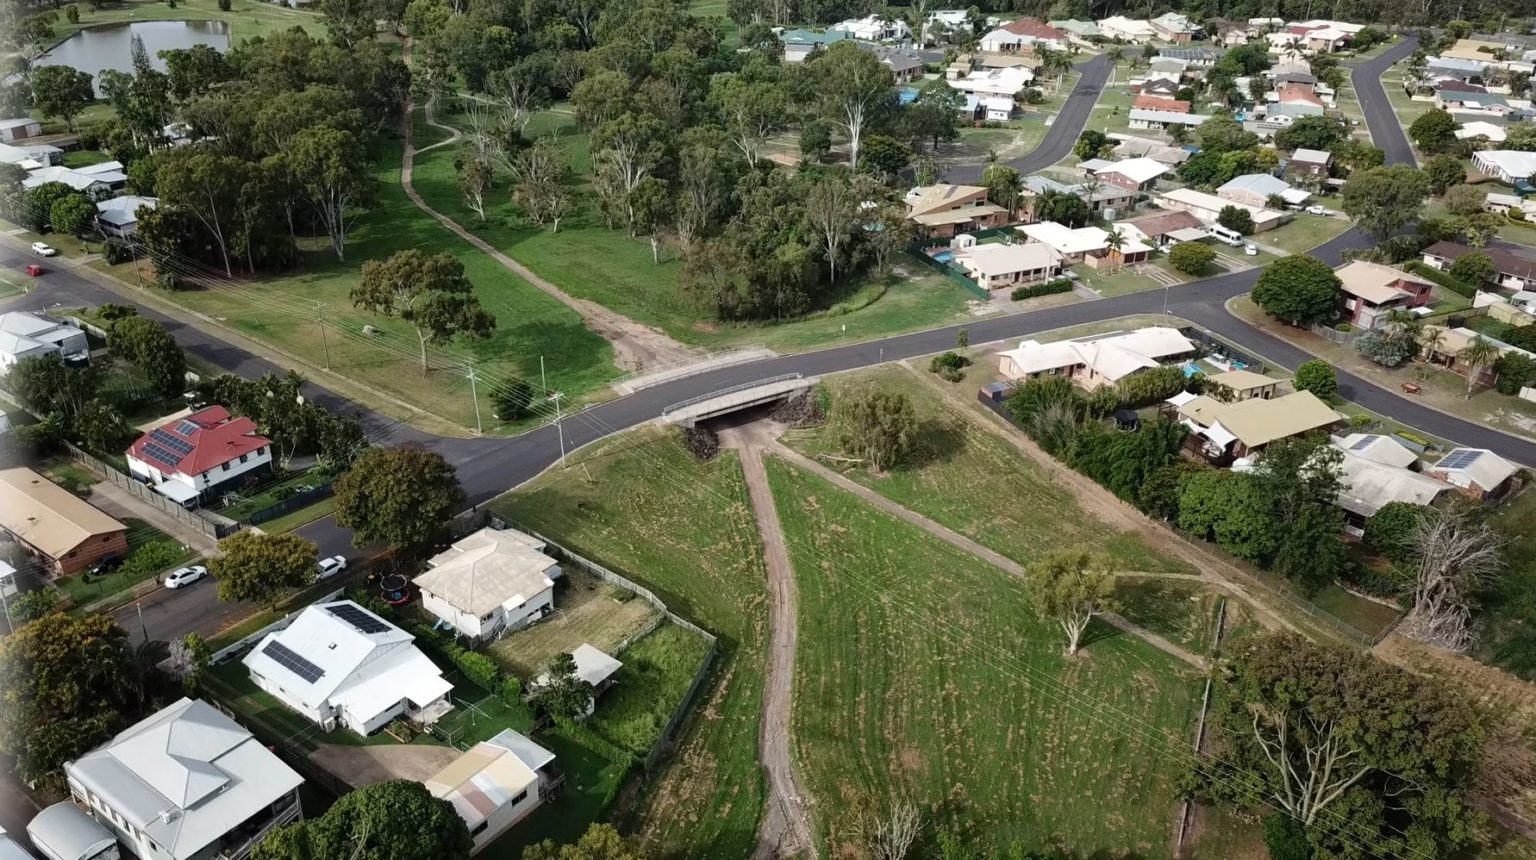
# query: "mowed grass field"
{"type": "Point", "coordinates": [590, 261]}
{"type": "Point", "coordinates": [923, 675]}
{"type": "Point", "coordinates": [285, 310]}
{"type": "Point", "coordinates": [977, 484]}
{"type": "Point", "coordinates": [641, 505]}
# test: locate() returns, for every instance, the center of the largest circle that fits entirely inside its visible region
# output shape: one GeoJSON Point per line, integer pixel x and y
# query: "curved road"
{"type": "Point", "coordinates": [489, 467]}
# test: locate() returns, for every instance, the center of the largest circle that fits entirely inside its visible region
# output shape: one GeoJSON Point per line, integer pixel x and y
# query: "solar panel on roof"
{"type": "Point", "coordinates": [1362, 444]}
{"type": "Point", "coordinates": [356, 617]}
{"type": "Point", "coordinates": [1460, 459]}
{"type": "Point", "coordinates": [187, 428]}
{"type": "Point", "coordinates": [284, 656]}
{"type": "Point", "coordinates": [159, 453]}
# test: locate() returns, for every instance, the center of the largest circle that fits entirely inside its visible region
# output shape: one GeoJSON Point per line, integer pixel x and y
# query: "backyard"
{"type": "Point", "coordinates": [644, 507]}
{"type": "Point", "coordinates": [588, 611]}
{"type": "Point", "coordinates": [923, 675]}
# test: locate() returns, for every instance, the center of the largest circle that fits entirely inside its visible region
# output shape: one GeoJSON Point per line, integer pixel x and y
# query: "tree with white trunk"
{"type": "Point", "coordinates": [1070, 587]}
{"type": "Point", "coordinates": [1453, 556]}
{"type": "Point", "coordinates": [751, 110]}
{"type": "Point", "coordinates": [332, 171]}
{"type": "Point", "coordinates": [625, 152]}
{"type": "Point", "coordinates": [832, 209]}
{"type": "Point", "coordinates": [854, 86]}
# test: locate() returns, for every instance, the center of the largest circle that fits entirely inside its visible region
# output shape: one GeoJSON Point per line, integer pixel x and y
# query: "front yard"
{"type": "Point", "coordinates": [151, 552]}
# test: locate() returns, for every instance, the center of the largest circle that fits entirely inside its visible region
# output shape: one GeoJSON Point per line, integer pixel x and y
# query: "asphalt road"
{"type": "Point", "coordinates": [489, 467]}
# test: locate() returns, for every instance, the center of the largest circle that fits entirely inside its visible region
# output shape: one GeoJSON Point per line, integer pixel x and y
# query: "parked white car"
{"type": "Point", "coordinates": [1250, 250]}
{"type": "Point", "coordinates": [332, 566]}
{"type": "Point", "coordinates": [43, 249]}
{"type": "Point", "coordinates": [185, 576]}
{"type": "Point", "coordinates": [1315, 209]}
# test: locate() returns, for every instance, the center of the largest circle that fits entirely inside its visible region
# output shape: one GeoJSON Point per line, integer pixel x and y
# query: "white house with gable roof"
{"type": "Point", "coordinates": [339, 665]}
{"type": "Point", "coordinates": [490, 583]}
{"type": "Point", "coordinates": [1096, 361]}
{"type": "Point", "coordinates": [186, 783]}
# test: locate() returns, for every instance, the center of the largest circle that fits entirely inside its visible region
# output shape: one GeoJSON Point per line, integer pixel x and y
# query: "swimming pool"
{"type": "Point", "coordinates": [945, 257]}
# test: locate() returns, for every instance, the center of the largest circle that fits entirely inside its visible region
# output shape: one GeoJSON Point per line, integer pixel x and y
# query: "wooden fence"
{"type": "Point", "coordinates": [207, 522]}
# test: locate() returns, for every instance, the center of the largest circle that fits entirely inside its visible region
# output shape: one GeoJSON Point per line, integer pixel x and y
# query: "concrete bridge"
{"type": "Point", "coordinates": [695, 409]}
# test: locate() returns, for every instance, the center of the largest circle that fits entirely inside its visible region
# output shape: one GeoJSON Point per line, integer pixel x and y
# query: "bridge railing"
{"type": "Point", "coordinates": [746, 386]}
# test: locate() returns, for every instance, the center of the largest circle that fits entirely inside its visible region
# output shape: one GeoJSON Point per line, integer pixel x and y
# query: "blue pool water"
{"type": "Point", "coordinates": [944, 256]}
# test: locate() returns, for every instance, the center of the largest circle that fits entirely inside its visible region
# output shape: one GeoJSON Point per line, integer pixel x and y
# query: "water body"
{"type": "Point", "coordinates": [110, 46]}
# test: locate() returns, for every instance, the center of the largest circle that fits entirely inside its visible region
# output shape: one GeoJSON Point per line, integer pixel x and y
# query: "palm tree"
{"type": "Point", "coordinates": [1477, 355]}
{"type": "Point", "coordinates": [1116, 242]}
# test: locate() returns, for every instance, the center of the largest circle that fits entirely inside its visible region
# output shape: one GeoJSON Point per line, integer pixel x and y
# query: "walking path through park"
{"type": "Point", "coordinates": [785, 828]}
{"type": "Point", "coordinates": [635, 346]}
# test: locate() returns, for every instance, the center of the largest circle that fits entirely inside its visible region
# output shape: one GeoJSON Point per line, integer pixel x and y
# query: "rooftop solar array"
{"type": "Point", "coordinates": [187, 428]}
{"type": "Point", "coordinates": [1362, 444]}
{"type": "Point", "coordinates": [166, 447]}
{"type": "Point", "coordinates": [1459, 459]}
{"type": "Point", "coordinates": [285, 657]}
{"type": "Point", "coordinates": [356, 617]}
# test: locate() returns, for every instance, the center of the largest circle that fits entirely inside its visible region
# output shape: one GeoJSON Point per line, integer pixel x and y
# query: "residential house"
{"type": "Point", "coordinates": [1255, 189]}
{"type": "Point", "coordinates": [1175, 27]}
{"type": "Point", "coordinates": [19, 128]}
{"type": "Point", "coordinates": [1107, 201]}
{"type": "Point", "coordinates": [1155, 84]}
{"type": "Point", "coordinates": [1099, 360]}
{"type": "Point", "coordinates": [1136, 174]}
{"type": "Point", "coordinates": [1090, 245]}
{"type": "Point", "coordinates": [1246, 385]}
{"type": "Point", "coordinates": [905, 66]}
{"type": "Point", "coordinates": [945, 210]}
{"type": "Point", "coordinates": [1006, 83]}
{"type": "Point", "coordinates": [119, 216]}
{"type": "Point", "coordinates": [1455, 68]}
{"type": "Point", "coordinates": [1480, 104]}
{"type": "Point", "coordinates": [1377, 471]}
{"type": "Point", "coordinates": [10, 849]}
{"type": "Point", "coordinates": [1473, 49]}
{"type": "Point", "coordinates": [1370, 291]}
{"type": "Point", "coordinates": [1511, 271]}
{"type": "Point", "coordinates": [497, 783]}
{"type": "Point", "coordinates": [998, 266]}
{"type": "Point", "coordinates": [63, 532]}
{"type": "Point", "coordinates": [1299, 98]}
{"type": "Point", "coordinates": [1476, 472]}
{"type": "Point", "coordinates": [1291, 76]}
{"type": "Point", "coordinates": [1131, 146]}
{"type": "Point", "coordinates": [1443, 346]}
{"type": "Point", "coordinates": [1195, 58]}
{"type": "Point", "coordinates": [490, 583]}
{"type": "Point", "coordinates": [1220, 431]}
{"type": "Point", "coordinates": [1163, 229]}
{"type": "Point", "coordinates": [30, 156]}
{"type": "Point", "coordinates": [1168, 67]}
{"type": "Point", "coordinates": [873, 28]}
{"type": "Point", "coordinates": [1162, 119]}
{"type": "Point", "coordinates": [26, 335]}
{"type": "Point", "coordinates": [799, 44]}
{"type": "Point", "coordinates": [1145, 101]}
{"type": "Point", "coordinates": [593, 667]}
{"type": "Point", "coordinates": [1123, 29]}
{"type": "Point", "coordinates": [94, 187]}
{"type": "Point", "coordinates": [1502, 204]}
{"type": "Point", "coordinates": [1078, 32]}
{"type": "Point", "coordinates": [64, 832]}
{"type": "Point", "coordinates": [1028, 31]}
{"type": "Point", "coordinates": [1508, 165]}
{"type": "Point", "coordinates": [1207, 207]}
{"type": "Point", "coordinates": [186, 783]}
{"type": "Point", "coordinates": [1308, 165]}
{"type": "Point", "coordinates": [340, 665]}
{"type": "Point", "coordinates": [1482, 129]}
{"type": "Point", "coordinates": [199, 455]}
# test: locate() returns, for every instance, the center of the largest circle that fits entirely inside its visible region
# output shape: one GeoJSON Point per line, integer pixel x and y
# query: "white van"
{"type": "Point", "coordinates": [1224, 235]}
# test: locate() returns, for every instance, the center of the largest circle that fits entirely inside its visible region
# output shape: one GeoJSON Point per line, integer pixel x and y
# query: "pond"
{"type": "Point", "coordinates": [110, 46]}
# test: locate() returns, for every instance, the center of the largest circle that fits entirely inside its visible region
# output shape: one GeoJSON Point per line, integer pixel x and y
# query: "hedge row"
{"type": "Point", "coordinates": [1418, 267]}
{"type": "Point", "coordinates": [1049, 288]}
{"type": "Point", "coordinates": [478, 668]}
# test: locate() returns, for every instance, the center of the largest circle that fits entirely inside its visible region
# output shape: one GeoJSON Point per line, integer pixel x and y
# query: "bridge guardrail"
{"type": "Point", "coordinates": [746, 386]}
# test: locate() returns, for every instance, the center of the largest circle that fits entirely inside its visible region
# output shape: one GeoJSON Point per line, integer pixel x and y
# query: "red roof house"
{"type": "Point", "coordinates": [188, 456]}
{"type": "Point", "coordinates": [1036, 28]}
{"type": "Point", "coordinates": [1152, 102]}
{"type": "Point", "coordinates": [1298, 94]}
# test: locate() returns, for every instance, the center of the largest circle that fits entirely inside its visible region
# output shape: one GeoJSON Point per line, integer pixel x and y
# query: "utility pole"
{"type": "Point", "coordinates": [543, 380]}
{"type": "Point", "coordinates": [559, 426]}
{"type": "Point", "coordinates": [133, 248]}
{"type": "Point", "coordinates": [474, 396]}
{"type": "Point", "coordinates": [324, 342]}
{"type": "Point", "coordinates": [142, 628]}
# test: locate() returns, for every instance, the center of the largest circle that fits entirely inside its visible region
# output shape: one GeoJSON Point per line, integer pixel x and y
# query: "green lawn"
{"type": "Point", "coordinates": [140, 535]}
{"type": "Point", "coordinates": [246, 18]}
{"type": "Point", "coordinates": [271, 491]}
{"type": "Point", "coordinates": [1509, 635]}
{"type": "Point", "coordinates": [84, 157]}
{"type": "Point", "coordinates": [1181, 612]}
{"type": "Point", "coordinates": [642, 505]}
{"type": "Point", "coordinates": [656, 673]}
{"type": "Point", "coordinates": [590, 261]}
{"type": "Point", "coordinates": [303, 516]}
{"type": "Point", "coordinates": [1303, 233]}
{"type": "Point", "coordinates": [922, 674]}
{"type": "Point", "coordinates": [282, 311]}
{"type": "Point", "coordinates": [977, 484]}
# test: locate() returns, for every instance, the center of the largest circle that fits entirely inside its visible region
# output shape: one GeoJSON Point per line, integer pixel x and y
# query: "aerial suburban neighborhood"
{"type": "Point", "coordinates": [766, 429]}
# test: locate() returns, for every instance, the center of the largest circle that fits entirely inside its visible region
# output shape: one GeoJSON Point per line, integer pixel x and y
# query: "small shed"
{"type": "Point", "coordinates": [64, 832]}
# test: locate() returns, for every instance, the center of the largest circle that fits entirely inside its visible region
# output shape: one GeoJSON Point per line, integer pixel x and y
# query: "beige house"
{"type": "Point", "coordinates": [1247, 385]}
{"type": "Point", "coordinates": [490, 583]}
{"type": "Point", "coordinates": [1002, 266]}
{"type": "Point", "coordinates": [1245, 427]}
{"type": "Point", "coordinates": [64, 532]}
{"type": "Point", "coordinates": [496, 784]}
{"type": "Point", "coordinates": [1476, 472]}
{"type": "Point", "coordinates": [1443, 345]}
{"type": "Point", "coordinates": [1371, 290]}
{"type": "Point", "coordinates": [1095, 361]}
{"type": "Point", "coordinates": [1207, 207]}
{"type": "Point", "coordinates": [945, 210]}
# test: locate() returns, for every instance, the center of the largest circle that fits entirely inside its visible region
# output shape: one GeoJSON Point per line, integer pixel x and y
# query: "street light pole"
{"type": "Point", "coordinates": [559, 426]}
{"type": "Point", "coordinates": [476, 398]}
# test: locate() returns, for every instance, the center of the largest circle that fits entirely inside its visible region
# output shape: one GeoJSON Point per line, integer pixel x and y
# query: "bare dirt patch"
{"type": "Point", "coordinates": [360, 766]}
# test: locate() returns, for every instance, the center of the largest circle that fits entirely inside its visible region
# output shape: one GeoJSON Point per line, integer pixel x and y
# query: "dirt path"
{"type": "Point", "coordinates": [785, 828]}
{"type": "Point", "coordinates": [965, 544]}
{"type": "Point", "coordinates": [1102, 504]}
{"type": "Point", "coordinates": [635, 346]}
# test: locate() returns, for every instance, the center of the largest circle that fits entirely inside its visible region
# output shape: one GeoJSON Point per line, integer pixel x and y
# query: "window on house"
{"type": "Point", "coordinates": [243, 457]}
{"type": "Point", "coordinates": [225, 467]}
{"type": "Point", "coordinates": [478, 829]}
{"type": "Point", "coordinates": [521, 796]}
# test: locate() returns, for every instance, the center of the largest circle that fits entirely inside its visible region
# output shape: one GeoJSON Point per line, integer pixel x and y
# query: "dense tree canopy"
{"type": "Point", "coordinates": [1384, 199]}
{"type": "Point", "coordinates": [402, 497]}
{"type": "Point", "coordinates": [394, 820]}
{"type": "Point", "coordinates": [262, 567]}
{"type": "Point", "coordinates": [1300, 289]}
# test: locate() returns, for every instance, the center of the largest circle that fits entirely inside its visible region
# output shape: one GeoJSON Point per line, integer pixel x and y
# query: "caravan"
{"type": "Point", "coordinates": [1224, 235]}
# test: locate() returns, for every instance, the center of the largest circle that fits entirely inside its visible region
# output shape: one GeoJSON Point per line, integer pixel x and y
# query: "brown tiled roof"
{"type": "Point", "coordinates": [1159, 103]}
{"type": "Point", "coordinates": [1163, 223]}
{"type": "Point", "coordinates": [1034, 27]}
{"type": "Point", "coordinates": [1503, 261]}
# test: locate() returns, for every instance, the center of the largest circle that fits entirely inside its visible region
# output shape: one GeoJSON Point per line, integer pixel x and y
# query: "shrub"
{"type": "Point", "coordinates": [1149, 386]}
{"type": "Point", "coordinates": [1344, 327]}
{"type": "Point", "coordinates": [224, 5]}
{"type": "Point", "coordinates": [1191, 258]}
{"type": "Point", "coordinates": [948, 361]}
{"type": "Point", "coordinates": [510, 692]}
{"type": "Point", "coordinates": [151, 558]}
{"type": "Point", "coordinates": [1442, 278]}
{"type": "Point", "coordinates": [112, 312]}
{"type": "Point", "coordinates": [1318, 377]}
{"type": "Point", "coordinates": [1385, 351]}
{"type": "Point", "coordinates": [1236, 218]}
{"type": "Point", "coordinates": [1389, 531]}
{"type": "Point", "coordinates": [1515, 372]}
{"type": "Point", "coordinates": [1049, 288]}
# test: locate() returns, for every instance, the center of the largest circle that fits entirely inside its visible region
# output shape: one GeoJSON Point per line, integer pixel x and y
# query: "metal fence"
{"type": "Point", "coordinates": [207, 522]}
{"type": "Point", "coordinates": [1222, 349]}
{"type": "Point", "coordinates": [1346, 338]}
{"type": "Point", "coordinates": [294, 502]}
{"type": "Point", "coordinates": [919, 251]}
{"type": "Point", "coordinates": [680, 712]}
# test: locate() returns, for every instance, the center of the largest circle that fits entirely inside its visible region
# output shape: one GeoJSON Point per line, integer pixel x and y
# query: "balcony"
{"type": "Point", "coordinates": [237, 843]}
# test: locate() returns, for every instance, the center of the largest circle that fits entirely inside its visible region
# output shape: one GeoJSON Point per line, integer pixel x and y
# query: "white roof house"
{"type": "Point", "coordinates": [993, 263]}
{"type": "Point", "coordinates": [1108, 358]}
{"type": "Point", "coordinates": [1507, 164]}
{"type": "Point", "coordinates": [592, 666]}
{"type": "Point", "coordinates": [491, 582]}
{"type": "Point", "coordinates": [26, 335]}
{"type": "Point", "coordinates": [186, 780]}
{"type": "Point", "coordinates": [1260, 186]}
{"type": "Point", "coordinates": [1126, 29]}
{"type": "Point", "coordinates": [30, 155]}
{"type": "Point", "coordinates": [64, 832]}
{"type": "Point", "coordinates": [10, 849]}
{"type": "Point", "coordinates": [1480, 128]}
{"type": "Point", "coordinates": [1138, 171]}
{"type": "Point", "coordinates": [340, 665]}
{"type": "Point", "coordinates": [1207, 207]}
{"type": "Point", "coordinates": [1151, 117]}
{"type": "Point", "coordinates": [1376, 473]}
{"type": "Point", "coordinates": [1476, 469]}
{"type": "Point", "coordinates": [119, 216]}
{"type": "Point", "coordinates": [494, 784]}
{"type": "Point", "coordinates": [995, 82]}
{"type": "Point", "coordinates": [96, 185]}
{"type": "Point", "coordinates": [873, 28]}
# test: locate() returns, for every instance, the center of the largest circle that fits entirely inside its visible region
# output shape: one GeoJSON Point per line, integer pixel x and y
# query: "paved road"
{"type": "Point", "coordinates": [488, 467]}
{"type": "Point", "coordinates": [1064, 129]}
{"type": "Point", "coordinates": [1380, 119]}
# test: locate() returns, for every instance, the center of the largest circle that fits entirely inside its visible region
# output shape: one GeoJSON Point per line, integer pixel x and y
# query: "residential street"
{"type": "Point", "coordinates": [489, 467]}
